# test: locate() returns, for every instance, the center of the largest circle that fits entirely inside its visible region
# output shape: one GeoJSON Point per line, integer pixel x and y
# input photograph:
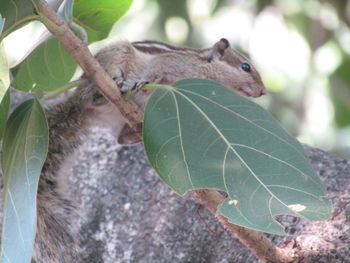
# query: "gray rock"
{"type": "Point", "coordinates": [130, 215]}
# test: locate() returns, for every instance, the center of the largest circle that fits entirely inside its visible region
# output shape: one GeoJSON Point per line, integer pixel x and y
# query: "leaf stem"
{"type": "Point", "coordinates": [78, 30]}
{"type": "Point", "coordinates": [72, 84]}
{"type": "Point", "coordinates": [153, 86]}
{"type": "Point", "coordinates": [130, 93]}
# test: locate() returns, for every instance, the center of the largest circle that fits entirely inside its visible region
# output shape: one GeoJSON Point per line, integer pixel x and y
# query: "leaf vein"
{"type": "Point", "coordinates": [17, 216]}
{"type": "Point", "coordinates": [180, 136]}
{"type": "Point", "coordinates": [238, 115]}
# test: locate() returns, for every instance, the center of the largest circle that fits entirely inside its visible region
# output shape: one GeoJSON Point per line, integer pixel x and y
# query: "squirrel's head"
{"type": "Point", "coordinates": [234, 70]}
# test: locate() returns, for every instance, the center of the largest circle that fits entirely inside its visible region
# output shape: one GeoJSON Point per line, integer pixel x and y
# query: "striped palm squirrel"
{"type": "Point", "coordinates": [130, 65]}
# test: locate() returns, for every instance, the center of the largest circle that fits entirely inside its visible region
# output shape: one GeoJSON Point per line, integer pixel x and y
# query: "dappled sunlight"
{"type": "Point", "coordinates": [176, 29]}
{"type": "Point", "coordinates": [137, 22]}
{"type": "Point", "coordinates": [277, 48]}
{"type": "Point", "coordinates": [327, 58]}
{"type": "Point", "coordinates": [319, 116]}
{"type": "Point", "coordinates": [328, 17]}
{"type": "Point", "coordinates": [200, 10]}
{"type": "Point", "coordinates": [343, 36]}
{"type": "Point", "coordinates": [232, 23]}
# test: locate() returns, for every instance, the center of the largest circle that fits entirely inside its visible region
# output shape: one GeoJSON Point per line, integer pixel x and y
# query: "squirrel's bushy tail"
{"type": "Point", "coordinates": [57, 240]}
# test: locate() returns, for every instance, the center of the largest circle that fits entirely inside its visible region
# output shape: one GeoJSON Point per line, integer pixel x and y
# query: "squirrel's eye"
{"type": "Point", "coordinates": [245, 67]}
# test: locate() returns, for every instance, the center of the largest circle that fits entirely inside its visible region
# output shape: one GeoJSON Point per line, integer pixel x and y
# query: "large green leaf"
{"type": "Point", "coordinates": [24, 150]}
{"type": "Point", "coordinates": [98, 17]}
{"type": "Point", "coordinates": [198, 134]}
{"type": "Point", "coordinates": [47, 68]}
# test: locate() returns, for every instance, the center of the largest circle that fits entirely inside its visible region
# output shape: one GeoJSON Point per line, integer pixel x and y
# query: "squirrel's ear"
{"type": "Point", "coordinates": [218, 49]}
{"type": "Point", "coordinates": [221, 46]}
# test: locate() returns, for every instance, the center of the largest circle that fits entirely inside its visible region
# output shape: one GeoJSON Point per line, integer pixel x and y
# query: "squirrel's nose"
{"type": "Point", "coordinates": [263, 92]}
{"type": "Point", "coordinates": [259, 92]}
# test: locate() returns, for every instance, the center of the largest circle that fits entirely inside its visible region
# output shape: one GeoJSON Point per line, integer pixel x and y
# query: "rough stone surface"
{"type": "Point", "coordinates": [132, 216]}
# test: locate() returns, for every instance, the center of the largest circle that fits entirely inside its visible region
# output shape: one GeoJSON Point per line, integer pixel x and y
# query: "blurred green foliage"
{"type": "Point", "coordinates": [340, 93]}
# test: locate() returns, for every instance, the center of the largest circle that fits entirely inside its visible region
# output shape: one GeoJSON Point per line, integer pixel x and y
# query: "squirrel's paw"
{"type": "Point", "coordinates": [132, 86]}
{"type": "Point", "coordinates": [139, 85]}
{"type": "Point", "coordinates": [119, 79]}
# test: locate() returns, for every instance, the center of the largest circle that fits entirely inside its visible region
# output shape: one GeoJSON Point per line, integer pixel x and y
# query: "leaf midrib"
{"type": "Point", "coordinates": [181, 141]}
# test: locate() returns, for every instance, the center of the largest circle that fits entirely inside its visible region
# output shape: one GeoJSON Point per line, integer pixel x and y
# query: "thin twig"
{"type": "Point", "coordinates": [75, 83]}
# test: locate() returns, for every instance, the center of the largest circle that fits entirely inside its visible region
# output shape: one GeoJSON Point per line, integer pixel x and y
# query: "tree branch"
{"type": "Point", "coordinates": [92, 69]}
{"type": "Point", "coordinates": [260, 246]}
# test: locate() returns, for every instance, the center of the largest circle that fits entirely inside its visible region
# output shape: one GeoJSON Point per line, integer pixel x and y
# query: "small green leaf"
{"type": "Point", "coordinates": [4, 111]}
{"type": "Point", "coordinates": [98, 17]}
{"type": "Point", "coordinates": [24, 150]}
{"type": "Point", "coordinates": [48, 67]}
{"type": "Point", "coordinates": [198, 134]}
